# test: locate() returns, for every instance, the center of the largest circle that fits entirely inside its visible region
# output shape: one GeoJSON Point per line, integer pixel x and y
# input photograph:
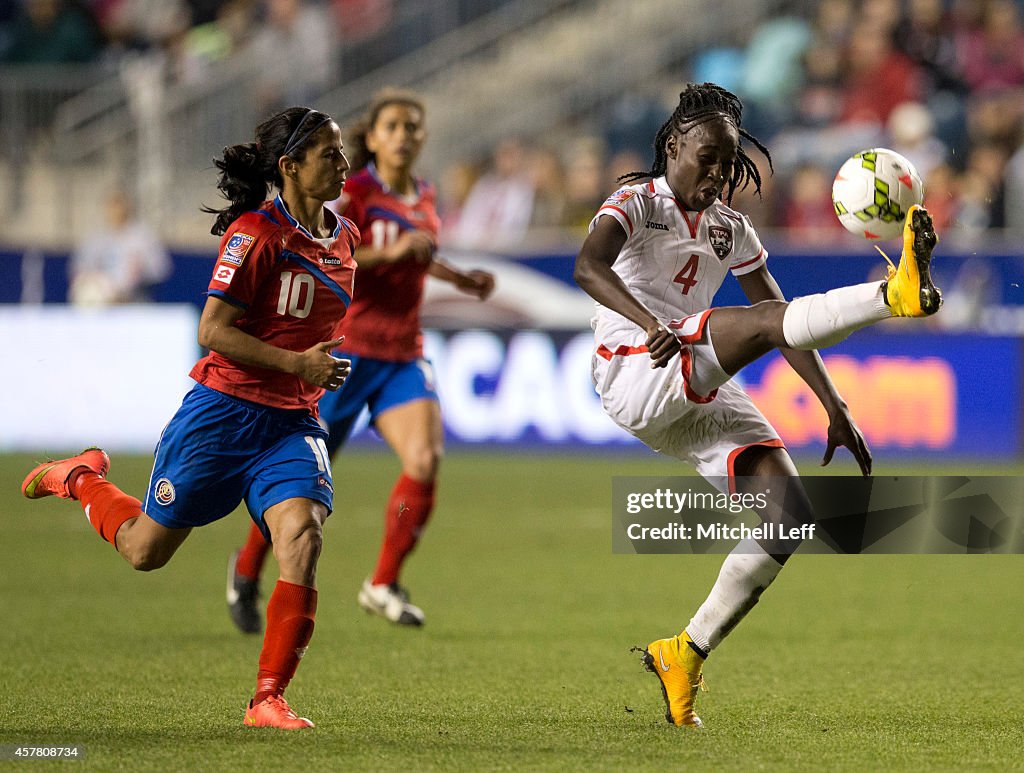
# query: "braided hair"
{"type": "Point", "coordinates": [359, 155]}
{"type": "Point", "coordinates": [248, 169]}
{"type": "Point", "coordinates": [698, 104]}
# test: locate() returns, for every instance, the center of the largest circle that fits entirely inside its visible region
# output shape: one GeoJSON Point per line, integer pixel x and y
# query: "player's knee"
{"type": "Point", "coordinates": [147, 559]}
{"type": "Point", "coordinates": [769, 322]}
{"type": "Point", "coordinates": [300, 546]}
{"type": "Point", "coordinates": [423, 462]}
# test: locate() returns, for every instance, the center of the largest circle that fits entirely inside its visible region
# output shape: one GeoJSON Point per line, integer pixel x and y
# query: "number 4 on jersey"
{"type": "Point", "coordinates": [687, 274]}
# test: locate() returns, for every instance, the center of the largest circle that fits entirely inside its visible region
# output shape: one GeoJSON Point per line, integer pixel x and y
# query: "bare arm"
{"type": "Point", "coordinates": [476, 282]}
{"type": "Point", "coordinates": [760, 285]}
{"type": "Point", "coordinates": [417, 245]}
{"type": "Point", "coordinates": [593, 273]}
{"type": "Point", "coordinates": [217, 331]}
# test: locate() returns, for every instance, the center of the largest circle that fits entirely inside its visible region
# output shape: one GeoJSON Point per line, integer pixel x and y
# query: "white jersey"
{"type": "Point", "coordinates": [673, 261]}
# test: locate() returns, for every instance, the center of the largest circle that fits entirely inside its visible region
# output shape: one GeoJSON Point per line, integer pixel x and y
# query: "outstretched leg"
{"type": "Point", "coordinates": [117, 517]}
{"type": "Point", "coordinates": [740, 335]}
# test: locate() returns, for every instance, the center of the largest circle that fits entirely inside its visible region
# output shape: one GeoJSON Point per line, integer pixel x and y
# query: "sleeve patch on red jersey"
{"type": "Point", "coordinates": [237, 248]}
{"type": "Point", "coordinates": [621, 195]}
{"type": "Point", "coordinates": [223, 274]}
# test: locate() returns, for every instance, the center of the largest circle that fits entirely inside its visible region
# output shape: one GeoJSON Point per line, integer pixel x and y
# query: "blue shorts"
{"type": "Point", "coordinates": [377, 385]}
{"type": "Point", "coordinates": [219, 450]}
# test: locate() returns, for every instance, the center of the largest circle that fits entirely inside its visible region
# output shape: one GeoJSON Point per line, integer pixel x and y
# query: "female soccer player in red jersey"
{"type": "Point", "coordinates": [395, 212]}
{"type": "Point", "coordinates": [657, 252]}
{"type": "Point", "coordinates": [248, 430]}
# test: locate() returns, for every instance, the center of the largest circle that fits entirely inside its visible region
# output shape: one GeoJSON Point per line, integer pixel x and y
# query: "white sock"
{"type": "Point", "coordinates": [745, 574]}
{"type": "Point", "coordinates": [817, 321]}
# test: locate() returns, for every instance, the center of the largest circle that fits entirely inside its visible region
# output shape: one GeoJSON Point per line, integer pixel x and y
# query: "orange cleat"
{"type": "Point", "coordinates": [52, 478]}
{"type": "Point", "coordinates": [274, 711]}
{"type": "Point", "coordinates": [678, 667]}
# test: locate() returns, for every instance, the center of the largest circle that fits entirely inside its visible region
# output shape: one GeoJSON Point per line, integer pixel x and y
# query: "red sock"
{"type": "Point", "coordinates": [407, 513]}
{"type": "Point", "coordinates": [291, 613]}
{"type": "Point", "coordinates": [253, 553]}
{"type": "Point", "coordinates": [105, 505]}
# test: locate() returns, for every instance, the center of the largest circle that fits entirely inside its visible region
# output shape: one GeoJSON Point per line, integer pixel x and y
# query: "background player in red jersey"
{"type": "Point", "coordinates": [396, 213]}
{"type": "Point", "coordinates": [248, 430]}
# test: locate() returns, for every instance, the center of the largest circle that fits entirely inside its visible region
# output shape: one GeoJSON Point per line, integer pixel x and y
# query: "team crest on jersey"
{"type": "Point", "coordinates": [721, 240]}
{"type": "Point", "coordinates": [620, 196]}
{"type": "Point", "coordinates": [236, 249]}
{"type": "Point", "coordinates": [163, 491]}
{"type": "Point", "coordinates": [224, 274]}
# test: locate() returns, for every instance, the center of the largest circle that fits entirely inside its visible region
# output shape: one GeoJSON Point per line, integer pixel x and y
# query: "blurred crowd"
{"type": "Point", "coordinates": [940, 81]}
{"type": "Point", "coordinates": [195, 37]}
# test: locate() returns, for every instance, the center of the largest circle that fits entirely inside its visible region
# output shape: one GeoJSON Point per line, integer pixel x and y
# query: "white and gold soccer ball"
{"type": "Point", "coordinates": [873, 191]}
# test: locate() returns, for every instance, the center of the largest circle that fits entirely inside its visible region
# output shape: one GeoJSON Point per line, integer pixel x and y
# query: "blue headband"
{"type": "Point", "coordinates": [294, 141]}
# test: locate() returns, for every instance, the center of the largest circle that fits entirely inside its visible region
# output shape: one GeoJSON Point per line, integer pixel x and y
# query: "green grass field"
{"type": "Point", "coordinates": [849, 662]}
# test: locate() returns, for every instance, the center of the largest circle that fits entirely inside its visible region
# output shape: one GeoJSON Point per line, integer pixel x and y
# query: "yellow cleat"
{"type": "Point", "coordinates": [678, 668]}
{"type": "Point", "coordinates": [909, 291]}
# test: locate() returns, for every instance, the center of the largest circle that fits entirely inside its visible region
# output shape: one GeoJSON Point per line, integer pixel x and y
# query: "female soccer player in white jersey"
{"type": "Point", "coordinates": [657, 252]}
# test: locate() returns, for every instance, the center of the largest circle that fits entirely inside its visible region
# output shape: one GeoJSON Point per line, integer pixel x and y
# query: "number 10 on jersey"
{"type": "Point", "coordinates": [292, 300]}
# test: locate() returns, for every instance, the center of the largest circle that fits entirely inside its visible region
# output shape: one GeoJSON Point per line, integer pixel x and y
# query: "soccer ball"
{"type": "Point", "coordinates": [873, 191]}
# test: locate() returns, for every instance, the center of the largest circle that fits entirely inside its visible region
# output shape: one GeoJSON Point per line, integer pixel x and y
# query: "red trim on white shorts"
{"type": "Point", "coordinates": [677, 324]}
{"type": "Point", "coordinates": [686, 365]}
{"type": "Point", "coordinates": [685, 354]}
{"type": "Point", "coordinates": [731, 462]}
{"type": "Point", "coordinates": [622, 351]}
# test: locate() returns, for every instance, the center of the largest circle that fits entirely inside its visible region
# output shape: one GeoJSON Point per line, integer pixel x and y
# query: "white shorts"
{"type": "Point", "coordinates": [689, 409]}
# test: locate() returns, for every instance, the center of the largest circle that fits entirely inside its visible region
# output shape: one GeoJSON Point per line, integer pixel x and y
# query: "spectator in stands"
{"type": "Point", "coordinates": [807, 211]}
{"type": "Point", "coordinates": [298, 37]}
{"type": "Point", "coordinates": [877, 77]}
{"type": "Point", "coordinates": [142, 25]}
{"type": "Point", "coordinates": [456, 182]}
{"type": "Point", "coordinates": [499, 208]}
{"type": "Point", "coordinates": [942, 196]}
{"type": "Point", "coordinates": [549, 201]}
{"type": "Point", "coordinates": [981, 188]}
{"type": "Point", "coordinates": [51, 32]}
{"type": "Point", "coordinates": [993, 55]}
{"type": "Point", "coordinates": [911, 133]}
{"type": "Point", "coordinates": [926, 35]}
{"type": "Point", "coordinates": [120, 262]}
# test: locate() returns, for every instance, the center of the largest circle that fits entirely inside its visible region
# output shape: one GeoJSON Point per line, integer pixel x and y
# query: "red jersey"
{"type": "Point", "coordinates": [294, 292]}
{"type": "Point", "coordinates": [384, 319]}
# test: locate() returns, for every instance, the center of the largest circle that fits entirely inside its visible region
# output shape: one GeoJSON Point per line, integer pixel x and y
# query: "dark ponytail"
{"type": "Point", "coordinates": [249, 169]}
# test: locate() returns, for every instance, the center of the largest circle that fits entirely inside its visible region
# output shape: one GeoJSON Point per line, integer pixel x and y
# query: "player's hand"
{"type": "Point", "coordinates": [477, 283]}
{"type": "Point", "coordinates": [842, 431]}
{"type": "Point", "coordinates": [417, 245]}
{"type": "Point", "coordinates": [662, 344]}
{"type": "Point", "coordinates": [320, 368]}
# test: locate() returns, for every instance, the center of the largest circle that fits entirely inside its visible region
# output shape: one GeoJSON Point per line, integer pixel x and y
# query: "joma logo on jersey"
{"type": "Point", "coordinates": [721, 240]}
{"type": "Point", "coordinates": [657, 226]}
